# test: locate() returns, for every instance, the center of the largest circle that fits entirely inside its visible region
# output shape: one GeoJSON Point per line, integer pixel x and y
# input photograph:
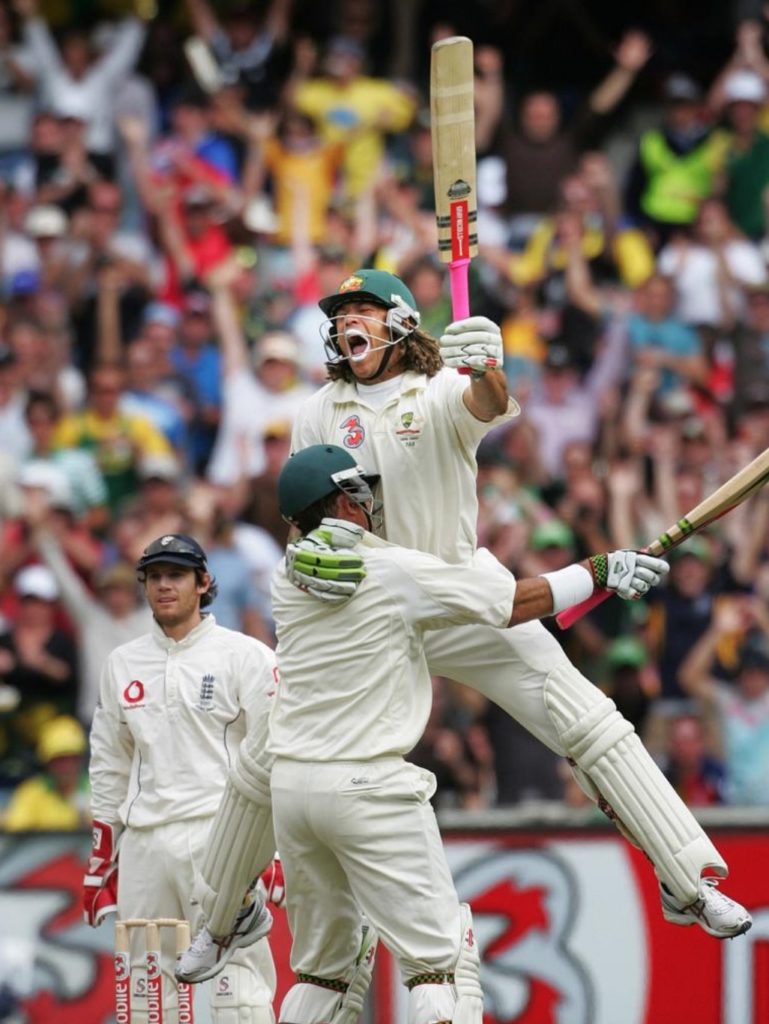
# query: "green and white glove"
{"type": "Point", "coordinates": [324, 564]}
{"type": "Point", "coordinates": [631, 574]}
{"type": "Point", "coordinates": [474, 344]}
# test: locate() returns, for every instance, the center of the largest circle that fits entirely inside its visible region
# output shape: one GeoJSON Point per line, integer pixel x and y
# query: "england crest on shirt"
{"type": "Point", "coordinates": [206, 699]}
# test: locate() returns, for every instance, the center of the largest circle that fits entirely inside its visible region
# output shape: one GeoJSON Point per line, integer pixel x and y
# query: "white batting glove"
{"type": "Point", "coordinates": [631, 574]}
{"type": "Point", "coordinates": [474, 344]}
{"type": "Point", "coordinates": [323, 564]}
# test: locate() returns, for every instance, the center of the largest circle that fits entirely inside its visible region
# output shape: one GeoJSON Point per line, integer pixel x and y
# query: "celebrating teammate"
{"type": "Point", "coordinates": [173, 708]}
{"type": "Point", "coordinates": [394, 401]}
{"type": "Point", "coordinates": [353, 819]}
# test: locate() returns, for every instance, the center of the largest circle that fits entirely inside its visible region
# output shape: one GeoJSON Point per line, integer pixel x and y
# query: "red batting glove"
{"type": "Point", "coordinates": [100, 882]}
{"type": "Point", "coordinates": [272, 881]}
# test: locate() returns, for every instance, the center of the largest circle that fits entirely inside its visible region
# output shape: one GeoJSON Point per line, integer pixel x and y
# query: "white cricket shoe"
{"type": "Point", "coordinates": [714, 911]}
{"type": "Point", "coordinates": [206, 956]}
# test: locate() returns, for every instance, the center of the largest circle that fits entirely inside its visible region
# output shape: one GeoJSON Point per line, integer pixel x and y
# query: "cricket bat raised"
{"type": "Point", "coordinates": [452, 127]}
{"type": "Point", "coordinates": [726, 497]}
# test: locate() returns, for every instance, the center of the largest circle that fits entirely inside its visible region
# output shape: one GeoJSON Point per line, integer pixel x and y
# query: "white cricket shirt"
{"type": "Point", "coordinates": [354, 683]}
{"type": "Point", "coordinates": [169, 720]}
{"type": "Point", "coordinates": [423, 443]}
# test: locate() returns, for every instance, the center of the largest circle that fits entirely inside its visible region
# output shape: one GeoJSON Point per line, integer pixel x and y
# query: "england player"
{"type": "Point", "coordinates": [396, 401]}
{"type": "Point", "coordinates": [352, 819]}
{"type": "Point", "coordinates": [174, 707]}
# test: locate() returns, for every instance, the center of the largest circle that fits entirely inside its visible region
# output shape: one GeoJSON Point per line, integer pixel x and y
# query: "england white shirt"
{"type": "Point", "coordinates": [354, 683]}
{"type": "Point", "coordinates": [423, 443]}
{"type": "Point", "coordinates": [170, 718]}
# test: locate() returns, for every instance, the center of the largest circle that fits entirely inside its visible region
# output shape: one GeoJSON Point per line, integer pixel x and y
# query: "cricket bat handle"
{"type": "Point", "coordinates": [460, 293]}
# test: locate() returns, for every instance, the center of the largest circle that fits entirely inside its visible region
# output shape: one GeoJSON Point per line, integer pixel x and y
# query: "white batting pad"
{"type": "Point", "coordinates": [467, 974]}
{"type": "Point", "coordinates": [241, 845]}
{"type": "Point", "coordinates": [351, 1004]}
{"type": "Point", "coordinates": [308, 1004]}
{"type": "Point", "coordinates": [429, 1004]}
{"type": "Point", "coordinates": [605, 746]}
{"type": "Point", "coordinates": [240, 996]}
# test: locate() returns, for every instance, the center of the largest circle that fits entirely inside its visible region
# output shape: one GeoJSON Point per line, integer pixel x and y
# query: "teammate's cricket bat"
{"type": "Point", "coordinates": [728, 496]}
{"type": "Point", "coordinates": [452, 126]}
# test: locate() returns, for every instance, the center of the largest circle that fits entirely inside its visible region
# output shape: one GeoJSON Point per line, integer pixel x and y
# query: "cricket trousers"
{"type": "Point", "coordinates": [363, 837]}
{"type": "Point", "coordinates": [508, 666]}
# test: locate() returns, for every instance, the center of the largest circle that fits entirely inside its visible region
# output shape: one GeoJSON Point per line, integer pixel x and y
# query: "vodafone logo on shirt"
{"type": "Point", "coordinates": [133, 694]}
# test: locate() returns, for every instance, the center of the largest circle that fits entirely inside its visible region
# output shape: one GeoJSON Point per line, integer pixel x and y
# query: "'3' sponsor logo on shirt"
{"type": "Point", "coordinates": [355, 435]}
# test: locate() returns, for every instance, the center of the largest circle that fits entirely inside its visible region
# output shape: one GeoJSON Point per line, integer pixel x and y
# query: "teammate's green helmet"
{"type": "Point", "coordinates": [385, 289]}
{"type": "Point", "coordinates": [314, 473]}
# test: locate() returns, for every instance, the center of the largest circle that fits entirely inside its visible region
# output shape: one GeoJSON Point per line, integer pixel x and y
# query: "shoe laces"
{"type": "Point", "coordinates": [713, 896]}
{"type": "Point", "coordinates": [201, 942]}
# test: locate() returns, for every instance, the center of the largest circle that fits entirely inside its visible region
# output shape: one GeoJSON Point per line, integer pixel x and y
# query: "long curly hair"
{"type": "Point", "coordinates": [420, 353]}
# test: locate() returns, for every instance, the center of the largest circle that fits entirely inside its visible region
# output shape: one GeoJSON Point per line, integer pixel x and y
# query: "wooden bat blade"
{"type": "Point", "coordinates": [452, 126]}
{"type": "Point", "coordinates": [728, 496]}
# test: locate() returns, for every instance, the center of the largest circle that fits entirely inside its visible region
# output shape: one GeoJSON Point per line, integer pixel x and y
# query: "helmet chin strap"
{"type": "Point", "coordinates": [388, 347]}
{"type": "Point", "coordinates": [383, 364]}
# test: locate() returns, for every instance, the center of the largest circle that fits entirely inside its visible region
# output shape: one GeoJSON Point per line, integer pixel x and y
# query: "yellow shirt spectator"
{"type": "Point", "coordinates": [629, 249]}
{"type": "Point", "coordinates": [358, 113]}
{"type": "Point", "coordinates": [57, 798]}
{"type": "Point", "coordinates": [117, 440]}
{"type": "Point", "coordinates": [306, 174]}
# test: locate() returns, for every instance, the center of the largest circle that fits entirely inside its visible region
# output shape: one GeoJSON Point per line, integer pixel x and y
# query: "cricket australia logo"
{"type": "Point", "coordinates": [351, 284]}
{"type": "Point", "coordinates": [206, 699]}
{"type": "Point", "coordinates": [409, 430]}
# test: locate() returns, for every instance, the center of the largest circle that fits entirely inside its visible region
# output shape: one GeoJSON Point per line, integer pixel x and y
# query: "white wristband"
{"type": "Point", "coordinates": [569, 586]}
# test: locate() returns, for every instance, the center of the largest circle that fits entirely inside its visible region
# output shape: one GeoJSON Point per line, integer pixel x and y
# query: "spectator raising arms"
{"type": "Point", "coordinates": [74, 83]}
{"type": "Point", "coordinates": [741, 708]}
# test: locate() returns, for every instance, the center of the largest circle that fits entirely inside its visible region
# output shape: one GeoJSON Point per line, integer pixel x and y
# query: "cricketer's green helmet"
{"type": "Point", "coordinates": [377, 285]}
{"type": "Point", "coordinates": [316, 472]}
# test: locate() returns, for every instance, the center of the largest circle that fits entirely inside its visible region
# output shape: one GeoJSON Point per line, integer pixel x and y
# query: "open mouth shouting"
{"type": "Point", "coordinates": [358, 343]}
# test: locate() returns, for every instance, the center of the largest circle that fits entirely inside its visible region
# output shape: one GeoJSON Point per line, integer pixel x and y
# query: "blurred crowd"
{"type": "Point", "coordinates": [179, 186]}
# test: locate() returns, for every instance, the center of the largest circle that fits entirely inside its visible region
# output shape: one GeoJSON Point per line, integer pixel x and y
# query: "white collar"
{"type": "Point", "coordinates": [167, 643]}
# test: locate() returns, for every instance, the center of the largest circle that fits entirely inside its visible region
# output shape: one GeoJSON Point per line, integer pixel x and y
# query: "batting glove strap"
{"type": "Point", "coordinates": [631, 574]}
{"type": "Point", "coordinates": [474, 344]}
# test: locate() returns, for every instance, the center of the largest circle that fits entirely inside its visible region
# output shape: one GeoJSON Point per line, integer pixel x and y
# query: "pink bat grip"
{"type": "Point", "coordinates": [571, 615]}
{"type": "Point", "coordinates": [460, 294]}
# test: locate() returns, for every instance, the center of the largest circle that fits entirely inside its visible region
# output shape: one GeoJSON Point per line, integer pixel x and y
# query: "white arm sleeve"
{"type": "Point", "coordinates": [122, 56]}
{"type": "Point", "coordinates": [112, 749]}
{"type": "Point", "coordinates": [43, 50]}
{"type": "Point", "coordinates": [434, 594]}
{"type": "Point", "coordinates": [76, 597]}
